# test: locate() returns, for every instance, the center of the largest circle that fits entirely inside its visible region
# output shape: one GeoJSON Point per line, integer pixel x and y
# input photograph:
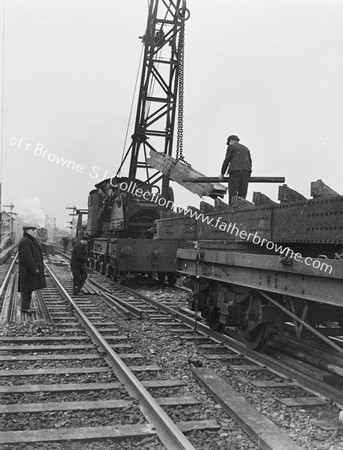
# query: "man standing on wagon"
{"type": "Point", "coordinates": [238, 159]}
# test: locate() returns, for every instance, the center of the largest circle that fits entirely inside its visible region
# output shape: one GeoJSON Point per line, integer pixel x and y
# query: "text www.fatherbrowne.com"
{"type": "Point", "coordinates": [230, 228]}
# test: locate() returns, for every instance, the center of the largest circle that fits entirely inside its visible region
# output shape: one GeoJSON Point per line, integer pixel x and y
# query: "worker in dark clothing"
{"type": "Point", "coordinates": [31, 268]}
{"type": "Point", "coordinates": [238, 159]}
{"type": "Point", "coordinates": [65, 243]}
{"type": "Point", "coordinates": [74, 241]}
{"type": "Point", "coordinates": [77, 264]}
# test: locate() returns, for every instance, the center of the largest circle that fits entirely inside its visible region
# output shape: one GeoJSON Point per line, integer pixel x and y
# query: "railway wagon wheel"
{"type": "Point", "coordinates": [161, 276]}
{"type": "Point", "coordinates": [102, 268]}
{"type": "Point", "coordinates": [109, 271]}
{"type": "Point", "coordinates": [257, 338]}
{"type": "Point", "coordinates": [254, 333]}
{"type": "Point", "coordinates": [213, 320]}
{"type": "Point", "coordinates": [171, 277]}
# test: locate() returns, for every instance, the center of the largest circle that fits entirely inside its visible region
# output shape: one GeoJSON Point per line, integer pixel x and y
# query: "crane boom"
{"type": "Point", "coordinates": [158, 93]}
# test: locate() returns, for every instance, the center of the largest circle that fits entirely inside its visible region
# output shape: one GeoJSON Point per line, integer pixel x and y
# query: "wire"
{"type": "Point", "coordinates": [2, 97]}
{"type": "Point", "coordinates": [131, 108]}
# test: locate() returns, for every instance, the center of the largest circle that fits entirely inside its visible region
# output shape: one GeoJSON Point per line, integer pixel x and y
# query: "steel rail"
{"type": "Point", "coordinates": [116, 302]}
{"type": "Point", "coordinates": [4, 283]}
{"type": "Point", "coordinates": [124, 312]}
{"type": "Point", "coordinates": [273, 365]}
{"type": "Point", "coordinates": [6, 252]}
{"type": "Point", "coordinates": [7, 304]}
{"type": "Point", "coordinates": [177, 286]}
{"type": "Point", "coordinates": [277, 367]}
{"type": "Point", "coordinates": [108, 297]}
{"type": "Point", "coordinates": [166, 429]}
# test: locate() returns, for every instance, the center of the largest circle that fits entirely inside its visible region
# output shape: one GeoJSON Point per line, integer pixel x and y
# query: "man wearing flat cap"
{"type": "Point", "coordinates": [239, 164]}
{"type": "Point", "coordinates": [31, 268]}
{"type": "Point", "coordinates": [78, 264]}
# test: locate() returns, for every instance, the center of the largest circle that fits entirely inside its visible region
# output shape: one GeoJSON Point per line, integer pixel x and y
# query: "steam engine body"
{"type": "Point", "coordinates": [46, 247]}
{"type": "Point", "coordinates": [42, 234]}
{"type": "Point", "coordinates": [257, 268]}
{"type": "Point", "coordinates": [121, 225]}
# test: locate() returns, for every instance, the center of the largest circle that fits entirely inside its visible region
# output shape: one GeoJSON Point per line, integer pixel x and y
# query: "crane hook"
{"type": "Point", "coordinates": [183, 13]}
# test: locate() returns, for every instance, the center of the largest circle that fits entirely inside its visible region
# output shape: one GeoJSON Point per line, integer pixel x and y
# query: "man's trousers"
{"type": "Point", "coordinates": [79, 278]}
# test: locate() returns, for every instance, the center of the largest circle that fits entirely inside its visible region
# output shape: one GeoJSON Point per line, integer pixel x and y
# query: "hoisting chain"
{"type": "Point", "coordinates": [179, 140]}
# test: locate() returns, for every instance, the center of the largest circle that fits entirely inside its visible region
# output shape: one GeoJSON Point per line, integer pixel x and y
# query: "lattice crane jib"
{"type": "Point", "coordinates": [159, 99]}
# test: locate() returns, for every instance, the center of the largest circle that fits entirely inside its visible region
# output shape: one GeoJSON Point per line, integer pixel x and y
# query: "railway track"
{"type": "Point", "coordinates": [156, 307]}
{"type": "Point", "coordinates": [4, 266]}
{"type": "Point", "coordinates": [188, 341]}
{"type": "Point", "coordinates": [319, 376]}
{"type": "Point", "coordinates": [6, 282]}
{"type": "Point", "coordinates": [5, 254]}
{"type": "Point", "coordinates": [300, 377]}
{"type": "Point", "coordinates": [79, 361]}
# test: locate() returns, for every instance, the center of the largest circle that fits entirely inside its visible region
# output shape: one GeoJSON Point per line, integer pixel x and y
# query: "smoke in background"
{"type": "Point", "coordinates": [30, 211]}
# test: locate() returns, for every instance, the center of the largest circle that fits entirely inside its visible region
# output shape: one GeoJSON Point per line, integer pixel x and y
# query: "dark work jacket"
{"type": "Point", "coordinates": [31, 267]}
{"type": "Point", "coordinates": [239, 158]}
{"type": "Point", "coordinates": [78, 256]}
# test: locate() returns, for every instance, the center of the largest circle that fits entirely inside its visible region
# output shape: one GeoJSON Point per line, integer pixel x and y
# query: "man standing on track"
{"type": "Point", "coordinates": [238, 159]}
{"type": "Point", "coordinates": [31, 267]}
{"type": "Point", "coordinates": [77, 264]}
{"type": "Point", "coordinates": [65, 243]}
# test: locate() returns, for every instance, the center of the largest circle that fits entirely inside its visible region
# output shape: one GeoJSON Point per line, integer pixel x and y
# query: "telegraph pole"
{"type": "Point", "coordinates": [11, 214]}
{"type": "Point", "coordinates": [79, 213]}
{"type": "Point", "coordinates": [72, 222]}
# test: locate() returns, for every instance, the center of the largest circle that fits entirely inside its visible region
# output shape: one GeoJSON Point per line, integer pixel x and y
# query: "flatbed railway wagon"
{"type": "Point", "coordinates": [265, 267]}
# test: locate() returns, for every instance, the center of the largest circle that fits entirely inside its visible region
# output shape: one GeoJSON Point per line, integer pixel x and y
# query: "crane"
{"type": "Point", "coordinates": [120, 223]}
{"type": "Point", "coordinates": [161, 91]}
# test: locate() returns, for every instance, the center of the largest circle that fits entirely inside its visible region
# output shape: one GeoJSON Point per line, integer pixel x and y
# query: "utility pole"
{"type": "Point", "coordinates": [79, 213]}
{"type": "Point", "coordinates": [11, 214]}
{"type": "Point", "coordinates": [72, 222]}
{"type": "Point", "coordinates": [55, 230]}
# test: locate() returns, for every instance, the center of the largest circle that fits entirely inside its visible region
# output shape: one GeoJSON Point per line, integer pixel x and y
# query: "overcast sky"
{"type": "Point", "coordinates": [270, 71]}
